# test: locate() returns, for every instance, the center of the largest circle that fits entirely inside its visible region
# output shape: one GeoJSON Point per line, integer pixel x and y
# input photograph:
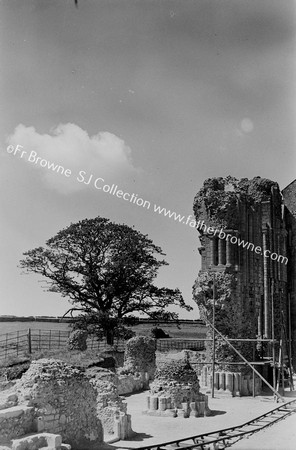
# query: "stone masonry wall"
{"type": "Point", "coordinates": [140, 355]}
{"type": "Point", "coordinates": [289, 195]}
{"type": "Point", "coordinates": [109, 403]}
{"type": "Point", "coordinates": [15, 422]}
{"type": "Point", "coordinates": [64, 402]}
{"type": "Point", "coordinates": [250, 211]}
{"type": "Point", "coordinates": [127, 384]}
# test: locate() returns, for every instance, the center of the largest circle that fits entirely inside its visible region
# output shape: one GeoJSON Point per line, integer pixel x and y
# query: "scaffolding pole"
{"type": "Point", "coordinates": [272, 335]}
{"type": "Point", "coordinates": [246, 361]}
{"type": "Point", "coordinates": [214, 343]}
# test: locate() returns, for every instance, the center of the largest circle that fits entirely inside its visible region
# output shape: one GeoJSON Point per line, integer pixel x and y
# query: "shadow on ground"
{"type": "Point", "coordinates": [266, 392]}
{"type": "Point", "coordinates": [290, 394]}
{"type": "Point", "coordinates": [141, 436]}
{"type": "Point", "coordinates": [137, 437]}
{"type": "Point", "coordinates": [217, 412]}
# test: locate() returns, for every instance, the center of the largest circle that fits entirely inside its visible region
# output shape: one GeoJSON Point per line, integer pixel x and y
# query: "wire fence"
{"type": "Point", "coordinates": [25, 342]}
{"type": "Point", "coordinates": [165, 345]}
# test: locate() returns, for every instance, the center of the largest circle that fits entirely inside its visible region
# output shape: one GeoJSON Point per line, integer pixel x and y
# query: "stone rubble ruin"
{"type": "Point", "coordinates": [175, 392]}
{"type": "Point", "coordinates": [111, 409]}
{"type": "Point", "coordinates": [53, 398]}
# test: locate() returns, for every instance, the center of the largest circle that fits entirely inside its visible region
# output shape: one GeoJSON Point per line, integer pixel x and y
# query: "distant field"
{"type": "Point", "coordinates": [186, 331]}
{"type": "Point", "coordinates": [8, 327]}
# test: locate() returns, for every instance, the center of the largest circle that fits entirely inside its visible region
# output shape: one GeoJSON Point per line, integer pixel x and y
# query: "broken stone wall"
{"type": "Point", "coordinates": [175, 391]}
{"type": "Point", "coordinates": [64, 402]}
{"type": "Point", "coordinates": [127, 384]}
{"type": "Point", "coordinates": [111, 410]}
{"type": "Point", "coordinates": [140, 357]}
{"type": "Point", "coordinates": [15, 422]}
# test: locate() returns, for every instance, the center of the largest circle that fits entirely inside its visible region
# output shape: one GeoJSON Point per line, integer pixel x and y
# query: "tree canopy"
{"type": "Point", "coordinates": [104, 269]}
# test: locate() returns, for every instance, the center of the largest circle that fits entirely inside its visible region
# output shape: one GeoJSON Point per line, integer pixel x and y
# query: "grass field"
{"type": "Point", "coordinates": [8, 327]}
{"type": "Point", "coordinates": [186, 330]}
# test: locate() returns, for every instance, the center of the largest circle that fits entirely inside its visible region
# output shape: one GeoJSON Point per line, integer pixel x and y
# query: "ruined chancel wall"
{"type": "Point", "coordinates": [289, 196]}
{"type": "Point", "coordinates": [249, 285]}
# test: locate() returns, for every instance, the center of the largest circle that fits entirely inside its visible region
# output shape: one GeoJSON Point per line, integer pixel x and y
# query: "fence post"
{"type": "Point", "coordinates": [6, 345]}
{"type": "Point", "coordinates": [29, 340]}
{"type": "Point", "coordinates": [17, 342]}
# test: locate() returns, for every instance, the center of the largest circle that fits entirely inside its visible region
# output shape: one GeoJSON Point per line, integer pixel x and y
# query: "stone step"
{"type": "Point", "coordinates": [8, 399]}
{"type": "Point", "coordinates": [15, 421]}
{"type": "Point", "coordinates": [14, 411]}
{"type": "Point", "coordinates": [40, 441]}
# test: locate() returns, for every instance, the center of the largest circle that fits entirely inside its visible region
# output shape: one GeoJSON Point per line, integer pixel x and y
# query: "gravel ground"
{"type": "Point", "coordinates": [227, 412]}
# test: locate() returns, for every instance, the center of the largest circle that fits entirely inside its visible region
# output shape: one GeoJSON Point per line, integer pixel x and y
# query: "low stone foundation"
{"type": "Point", "coordinates": [232, 384]}
{"type": "Point", "coordinates": [175, 392]}
{"type": "Point", "coordinates": [40, 441]}
{"type": "Point", "coordinates": [164, 406]}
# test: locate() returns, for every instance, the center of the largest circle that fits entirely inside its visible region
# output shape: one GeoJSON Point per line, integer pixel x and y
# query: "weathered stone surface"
{"type": "Point", "coordinates": [239, 220]}
{"type": "Point", "coordinates": [128, 384]}
{"type": "Point", "coordinates": [64, 402]}
{"type": "Point", "coordinates": [289, 196]}
{"type": "Point", "coordinates": [78, 340]}
{"type": "Point", "coordinates": [140, 355]}
{"type": "Point", "coordinates": [176, 387]}
{"type": "Point", "coordinates": [111, 410]}
{"type": "Point", "coordinates": [38, 441]}
{"type": "Point", "coordinates": [15, 422]}
{"type": "Point", "coordinates": [58, 398]}
{"type": "Point", "coordinates": [6, 385]}
{"type": "Point", "coordinates": [15, 411]}
{"type": "Point", "coordinates": [8, 397]}
{"type": "Point", "coordinates": [123, 426]}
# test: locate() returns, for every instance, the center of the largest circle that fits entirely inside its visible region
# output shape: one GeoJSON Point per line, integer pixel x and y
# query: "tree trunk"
{"type": "Point", "coordinates": [110, 337]}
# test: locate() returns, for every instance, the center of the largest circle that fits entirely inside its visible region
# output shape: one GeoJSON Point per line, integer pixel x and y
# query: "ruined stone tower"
{"type": "Point", "coordinates": [289, 196]}
{"type": "Point", "coordinates": [255, 264]}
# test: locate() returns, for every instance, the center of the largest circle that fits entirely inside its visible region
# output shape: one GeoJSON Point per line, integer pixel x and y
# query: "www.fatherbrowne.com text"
{"type": "Point", "coordinates": [99, 184]}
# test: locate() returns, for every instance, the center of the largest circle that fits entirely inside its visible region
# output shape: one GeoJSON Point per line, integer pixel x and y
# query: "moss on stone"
{"type": "Point", "coordinates": [217, 201]}
{"type": "Point", "coordinates": [140, 354]}
{"type": "Point", "coordinates": [178, 370]}
{"type": "Point", "coordinates": [230, 319]}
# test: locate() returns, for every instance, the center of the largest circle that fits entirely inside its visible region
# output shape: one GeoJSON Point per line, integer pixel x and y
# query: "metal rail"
{"type": "Point", "coordinates": [226, 437]}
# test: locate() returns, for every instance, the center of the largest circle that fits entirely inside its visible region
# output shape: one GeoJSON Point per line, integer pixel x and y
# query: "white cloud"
{"type": "Point", "coordinates": [247, 125]}
{"type": "Point", "coordinates": [103, 155]}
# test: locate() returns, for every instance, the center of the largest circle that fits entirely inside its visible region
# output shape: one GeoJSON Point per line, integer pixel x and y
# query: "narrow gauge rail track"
{"type": "Point", "coordinates": [221, 439]}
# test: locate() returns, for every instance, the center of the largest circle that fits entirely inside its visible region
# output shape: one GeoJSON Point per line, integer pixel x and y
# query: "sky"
{"type": "Point", "coordinates": [152, 96]}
